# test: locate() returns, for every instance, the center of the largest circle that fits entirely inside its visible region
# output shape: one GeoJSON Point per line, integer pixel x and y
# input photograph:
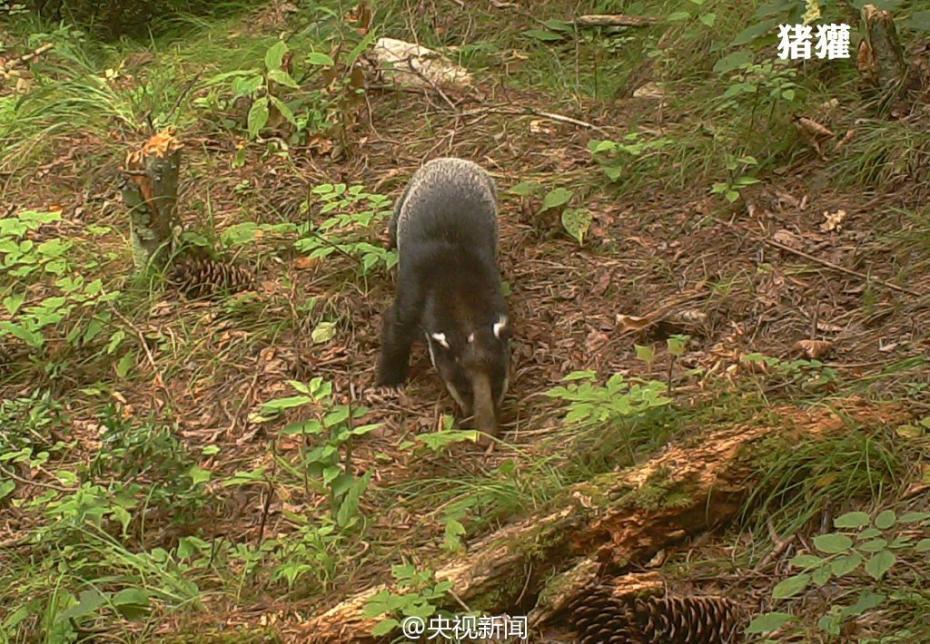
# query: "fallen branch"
{"type": "Point", "coordinates": [614, 20]}
{"type": "Point", "coordinates": [529, 111]}
{"type": "Point", "coordinates": [619, 519]}
{"type": "Point", "coordinates": [25, 58]}
{"type": "Point", "coordinates": [818, 260]}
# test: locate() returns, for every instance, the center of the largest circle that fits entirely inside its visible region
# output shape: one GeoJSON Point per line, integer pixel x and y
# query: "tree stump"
{"type": "Point", "coordinates": [880, 58]}
{"type": "Point", "coordinates": [150, 191]}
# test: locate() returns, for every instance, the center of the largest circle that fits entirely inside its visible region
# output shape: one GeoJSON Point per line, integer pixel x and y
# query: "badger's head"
{"type": "Point", "coordinates": [473, 359]}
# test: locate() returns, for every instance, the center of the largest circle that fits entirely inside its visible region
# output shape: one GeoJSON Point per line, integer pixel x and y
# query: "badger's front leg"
{"type": "Point", "coordinates": [397, 337]}
{"type": "Point", "coordinates": [400, 328]}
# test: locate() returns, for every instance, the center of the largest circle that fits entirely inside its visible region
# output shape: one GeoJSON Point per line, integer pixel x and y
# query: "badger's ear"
{"type": "Point", "coordinates": [502, 329]}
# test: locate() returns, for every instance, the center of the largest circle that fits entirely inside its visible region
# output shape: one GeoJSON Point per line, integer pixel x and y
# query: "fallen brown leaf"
{"type": "Point", "coordinates": [813, 349]}
{"type": "Point", "coordinates": [634, 323]}
{"type": "Point", "coordinates": [833, 221]}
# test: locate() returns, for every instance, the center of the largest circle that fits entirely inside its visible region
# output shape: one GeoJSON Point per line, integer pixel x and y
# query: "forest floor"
{"type": "Point", "coordinates": [149, 490]}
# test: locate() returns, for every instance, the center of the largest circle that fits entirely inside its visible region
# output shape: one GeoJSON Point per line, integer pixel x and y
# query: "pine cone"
{"type": "Point", "coordinates": [199, 277]}
{"type": "Point", "coordinates": [689, 620]}
{"type": "Point", "coordinates": [600, 617]}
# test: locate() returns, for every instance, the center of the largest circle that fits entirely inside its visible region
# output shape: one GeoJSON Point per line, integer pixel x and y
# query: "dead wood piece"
{"type": "Point", "coordinates": [614, 20]}
{"type": "Point", "coordinates": [617, 519]}
{"type": "Point", "coordinates": [407, 65]}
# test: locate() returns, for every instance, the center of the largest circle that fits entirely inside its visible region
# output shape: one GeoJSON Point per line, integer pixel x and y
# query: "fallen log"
{"type": "Point", "coordinates": [609, 523]}
{"type": "Point", "coordinates": [614, 20]}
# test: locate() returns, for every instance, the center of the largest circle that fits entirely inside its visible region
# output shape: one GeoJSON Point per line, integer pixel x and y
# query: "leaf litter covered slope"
{"type": "Point", "coordinates": [645, 250]}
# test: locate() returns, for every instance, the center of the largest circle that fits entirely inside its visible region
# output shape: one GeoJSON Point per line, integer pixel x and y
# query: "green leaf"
{"type": "Point", "coordinates": [914, 517]}
{"type": "Point", "coordinates": [645, 353]}
{"type": "Point", "coordinates": [198, 474]}
{"type": "Point", "coordinates": [830, 623]}
{"type": "Point", "coordinates": [323, 332]}
{"type": "Point", "coordinates": [437, 441]}
{"type": "Point", "coordinates": [6, 488]}
{"type": "Point", "coordinates": [791, 586]}
{"type": "Point", "coordinates": [921, 546]}
{"type": "Point", "coordinates": [558, 25]}
{"type": "Point", "coordinates": [752, 32]}
{"type": "Point", "coordinates": [867, 601]}
{"type": "Point", "coordinates": [281, 77]}
{"type": "Point", "coordinates": [349, 507]}
{"type": "Point", "coordinates": [247, 86]}
{"type": "Point", "coordinates": [279, 404]}
{"type": "Point", "coordinates": [319, 58]}
{"type": "Point", "coordinates": [806, 561]}
{"type": "Point", "coordinates": [845, 564]}
{"type": "Point", "coordinates": [832, 543]}
{"type": "Point", "coordinates": [576, 222]}
{"type": "Point", "coordinates": [851, 520]}
{"type": "Point", "coordinates": [285, 111]}
{"type": "Point", "coordinates": [542, 34]}
{"type": "Point", "coordinates": [678, 16]}
{"type": "Point", "coordinates": [135, 596]}
{"type": "Point", "coordinates": [525, 188]}
{"type": "Point", "coordinates": [918, 21]}
{"type": "Point", "coordinates": [821, 575]}
{"type": "Point", "coordinates": [12, 303]}
{"type": "Point", "coordinates": [874, 545]}
{"type": "Point", "coordinates": [768, 622]}
{"type": "Point", "coordinates": [362, 45]}
{"type": "Point", "coordinates": [731, 61]}
{"type": "Point", "coordinates": [709, 19]}
{"type": "Point", "coordinates": [880, 563]}
{"type": "Point", "coordinates": [125, 364]}
{"type": "Point", "coordinates": [258, 116]}
{"type": "Point", "coordinates": [275, 55]}
{"type": "Point", "coordinates": [384, 627]}
{"type": "Point", "coordinates": [869, 533]}
{"type": "Point", "coordinates": [556, 197]}
{"type": "Point", "coordinates": [885, 519]}
{"type": "Point", "coordinates": [88, 603]}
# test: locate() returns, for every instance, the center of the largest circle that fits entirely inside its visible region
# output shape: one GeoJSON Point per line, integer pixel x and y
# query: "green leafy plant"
{"type": "Point", "coordinates": [738, 179]}
{"type": "Point", "coordinates": [444, 438]}
{"type": "Point", "coordinates": [706, 18]}
{"type": "Point", "coordinates": [860, 545]}
{"type": "Point", "coordinates": [766, 86]}
{"type": "Point", "coordinates": [619, 159]}
{"type": "Point", "coordinates": [313, 550]}
{"type": "Point", "coordinates": [645, 353]}
{"type": "Point", "coordinates": [327, 460]}
{"type": "Point", "coordinates": [422, 594]}
{"type": "Point", "coordinates": [272, 92]}
{"type": "Point", "coordinates": [30, 313]}
{"type": "Point", "coordinates": [139, 452]}
{"type": "Point", "coordinates": [618, 398]}
{"type": "Point", "coordinates": [807, 374]}
{"type": "Point", "coordinates": [576, 222]}
{"type": "Point", "coordinates": [352, 212]}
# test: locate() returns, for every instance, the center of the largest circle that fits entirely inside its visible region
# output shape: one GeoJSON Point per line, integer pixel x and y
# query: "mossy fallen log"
{"type": "Point", "coordinates": [614, 521]}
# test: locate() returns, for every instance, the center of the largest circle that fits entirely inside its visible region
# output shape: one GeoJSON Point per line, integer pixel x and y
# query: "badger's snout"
{"type": "Point", "coordinates": [478, 388]}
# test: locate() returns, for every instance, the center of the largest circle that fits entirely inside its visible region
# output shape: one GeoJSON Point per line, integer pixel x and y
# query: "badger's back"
{"type": "Point", "coordinates": [448, 200]}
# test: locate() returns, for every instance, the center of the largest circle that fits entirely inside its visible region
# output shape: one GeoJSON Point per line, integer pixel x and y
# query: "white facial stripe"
{"type": "Point", "coordinates": [429, 346]}
{"type": "Point", "coordinates": [499, 326]}
{"type": "Point", "coordinates": [441, 339]}
{"type": "Point", "coordinates": [471, 338]}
